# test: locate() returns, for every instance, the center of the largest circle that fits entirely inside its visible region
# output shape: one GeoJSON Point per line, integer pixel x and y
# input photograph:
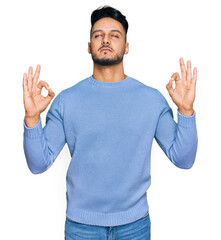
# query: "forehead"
{"type": "Point", "coordinates": [108, 24]}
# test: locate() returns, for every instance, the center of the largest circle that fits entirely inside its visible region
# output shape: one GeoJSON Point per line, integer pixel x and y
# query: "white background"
{"type": "Point", "coordinates": [184, 204]}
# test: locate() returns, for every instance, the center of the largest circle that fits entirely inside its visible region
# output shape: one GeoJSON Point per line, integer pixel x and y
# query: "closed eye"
{"type": "Point", "coordinates": [101, 35]}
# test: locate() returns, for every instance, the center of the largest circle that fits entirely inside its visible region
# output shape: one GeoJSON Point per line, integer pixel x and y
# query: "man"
{"type": "Point", "coordinates": [109, 121]}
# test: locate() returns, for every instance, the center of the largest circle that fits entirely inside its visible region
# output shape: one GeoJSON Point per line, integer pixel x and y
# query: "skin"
{"type": "Point", "coordinates": [107, 33]}
{"type": "Point", "coordinates": [183, 95]}
{"type": "Point", "coordinates": [34, 102]}
{"type": "Point", "coordinates": [104, 37]}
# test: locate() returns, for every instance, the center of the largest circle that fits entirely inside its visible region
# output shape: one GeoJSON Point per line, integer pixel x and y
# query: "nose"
{"type": "Point", "coordinates": [105, 40]}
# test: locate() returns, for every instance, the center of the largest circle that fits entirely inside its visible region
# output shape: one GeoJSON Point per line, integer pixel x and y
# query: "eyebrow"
{"type": "Point", "coordinates": [100, 30]}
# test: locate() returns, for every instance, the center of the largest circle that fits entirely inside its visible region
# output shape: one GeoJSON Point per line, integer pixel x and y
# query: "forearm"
{"type": "Point", "coordinates": [37, 153]}
{"type": "Point", "coordinates": [183, 150]}
{"type": "Point", "coordinates": [42, 145]}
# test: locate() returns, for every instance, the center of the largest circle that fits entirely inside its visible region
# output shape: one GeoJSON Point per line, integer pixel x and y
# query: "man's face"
{"type": "Point", "coordinates": [107, 46]}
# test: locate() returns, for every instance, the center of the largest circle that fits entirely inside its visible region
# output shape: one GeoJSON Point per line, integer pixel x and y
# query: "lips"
{"type": "Point", "coordinates": [106, 49]}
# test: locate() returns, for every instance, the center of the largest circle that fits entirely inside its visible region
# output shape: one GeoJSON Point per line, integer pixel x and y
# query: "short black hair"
{"type": "Point", "coordinates": [107, 11]}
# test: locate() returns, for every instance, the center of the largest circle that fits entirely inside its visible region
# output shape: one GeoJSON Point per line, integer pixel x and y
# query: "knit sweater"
{"type": "Point", "coordinates": [109, 128]}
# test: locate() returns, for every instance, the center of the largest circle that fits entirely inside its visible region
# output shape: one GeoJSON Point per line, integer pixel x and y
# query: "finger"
{"type": "Point", "coordinates": [25, 83]}
{"type": "Point", "coordinates": [30, 72]}
{"type": "Point", "coordinates": [176, 76]}
{"type": "Point", "coordinates": [37, 73]}
{"type": "Point", "coordinates": [189, 71]}
{"type": "Point", "coordinates": [50, 95]}
{"type": "Point", "coordinates": [194, 76]}
{"type": "Point", "coordinates": [182, 69]}
{"type": "Point", "coordinates": [42, 84]}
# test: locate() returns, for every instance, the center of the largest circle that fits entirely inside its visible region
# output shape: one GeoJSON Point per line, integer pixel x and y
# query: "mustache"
{"type": "Point", "coordinates": [105, 47]}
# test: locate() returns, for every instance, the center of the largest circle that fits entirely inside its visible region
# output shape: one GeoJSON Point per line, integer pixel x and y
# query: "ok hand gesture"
{"type": "Point", "coordinates": [34, 102]}
{"type": "Point", "coordinates": [183, 95]}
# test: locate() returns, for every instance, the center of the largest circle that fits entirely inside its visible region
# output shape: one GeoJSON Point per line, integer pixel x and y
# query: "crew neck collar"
{"type": "Point", "coordinates": [109, 84]}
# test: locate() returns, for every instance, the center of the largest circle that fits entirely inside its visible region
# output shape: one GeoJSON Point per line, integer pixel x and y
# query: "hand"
{"type": "Point", "coordinates": [34, 102]}
{"type": "Point", "coordinates": [183, 95]}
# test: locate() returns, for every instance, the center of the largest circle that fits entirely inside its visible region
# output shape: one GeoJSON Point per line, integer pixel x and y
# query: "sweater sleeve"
{"type": "Point", "coordinates": [42, 145]}
{"type": "Point", "coordinates": [178, 140]}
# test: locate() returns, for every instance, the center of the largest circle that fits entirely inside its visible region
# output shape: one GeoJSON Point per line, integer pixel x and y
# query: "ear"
{"type": "Point", "coordinates": [126, 48]}
{"type": "Point", "coordinates": [89, 51]}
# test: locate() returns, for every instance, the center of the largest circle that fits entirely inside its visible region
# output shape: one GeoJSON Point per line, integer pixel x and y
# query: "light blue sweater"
{"type": "Point", "coordinates": [109, 128]}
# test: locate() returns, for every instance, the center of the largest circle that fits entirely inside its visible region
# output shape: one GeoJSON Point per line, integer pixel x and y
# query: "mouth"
{"type": "Point", "coordinates": [105, 49]}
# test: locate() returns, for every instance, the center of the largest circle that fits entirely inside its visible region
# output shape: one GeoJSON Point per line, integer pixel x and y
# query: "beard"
{"type": "Point", "coordinates": [106, 61]}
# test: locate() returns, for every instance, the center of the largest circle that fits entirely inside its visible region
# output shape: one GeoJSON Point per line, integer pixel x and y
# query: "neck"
{"type": "Point", "coordinates": [113, 73]}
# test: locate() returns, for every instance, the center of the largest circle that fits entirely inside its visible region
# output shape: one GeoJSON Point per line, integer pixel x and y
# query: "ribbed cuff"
{"type": "Point", "coordinates": [33, 132]}
{"type": "Point", "coordinates": [186, 121]}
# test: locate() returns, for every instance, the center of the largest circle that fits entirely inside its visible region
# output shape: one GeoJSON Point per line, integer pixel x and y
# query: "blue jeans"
{"type": "Point", "coordinates": [138, 230]}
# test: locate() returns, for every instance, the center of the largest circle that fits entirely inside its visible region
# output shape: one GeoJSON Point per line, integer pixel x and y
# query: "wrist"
{"type": "Point", "coordinates": [186, 112]}
{"type": "Point", "coordinates": [31, 121]}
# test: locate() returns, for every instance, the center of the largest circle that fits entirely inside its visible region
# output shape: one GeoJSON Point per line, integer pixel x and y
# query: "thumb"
{"type": "Point", "coordinates": [169, 87]}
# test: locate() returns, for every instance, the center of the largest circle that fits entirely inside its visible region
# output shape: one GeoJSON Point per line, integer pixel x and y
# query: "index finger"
{"type": "Point", "coordinates": [183, 69]}
{"type": "Point", "coordinates": [37, 73]}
